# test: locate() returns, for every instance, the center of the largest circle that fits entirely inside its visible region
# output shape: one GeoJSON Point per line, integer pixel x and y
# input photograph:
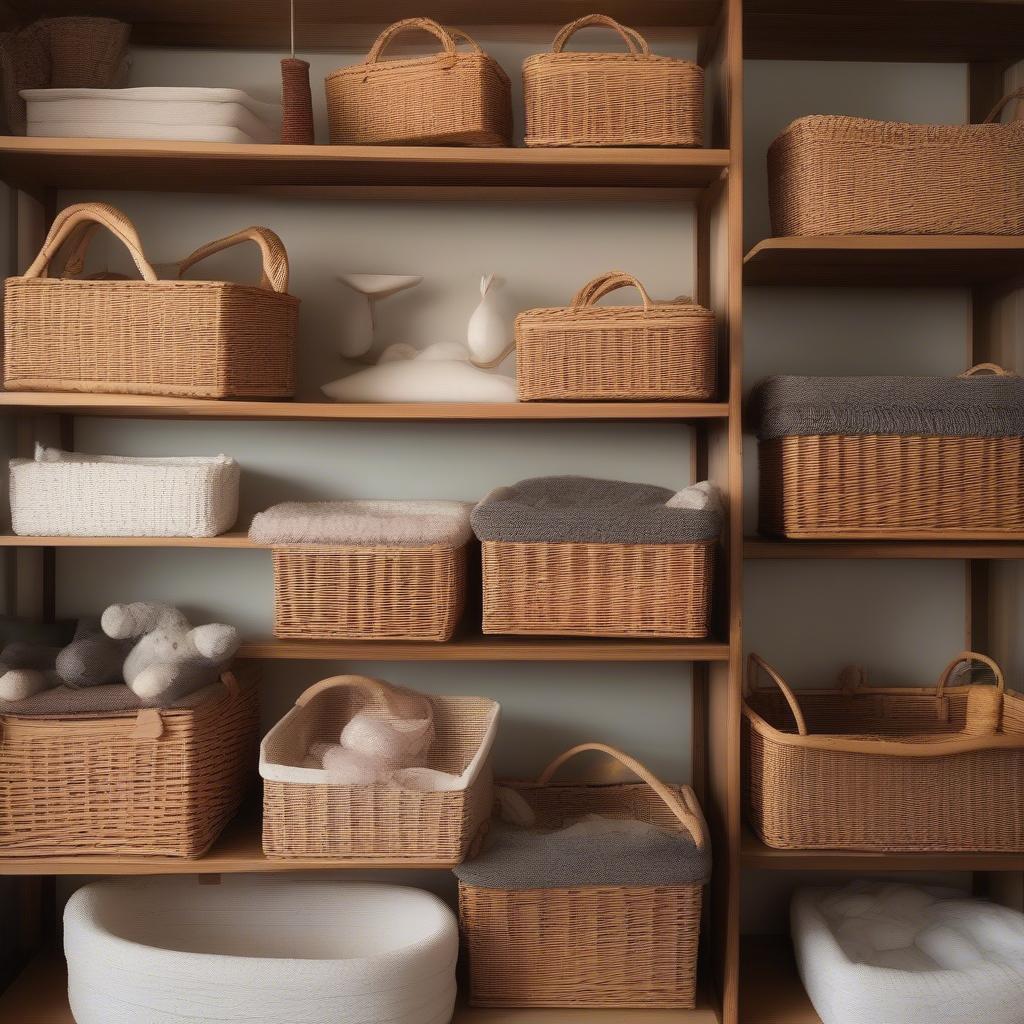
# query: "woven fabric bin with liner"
{"type": "Point", "coordinates": [87, 773]}
{"type": "Point", "coordinates": [659, 350]}
{"type": "Point", "coordinates": [851, 176]}
{"type": "Point", "coordinates": [892, 457]}
{"type": "Point", "coordinates": [611, 99]}
{"type": "Point", "coordinates": [306, 816]}
{"type": "Point", "coordinates": [196, 339]}
{"type": "Point", "coordinates": [445, 99]}
{"type": "Point", "coordinates": [886, 769]}
{"type": "Point", "coordinates": [567, 908]}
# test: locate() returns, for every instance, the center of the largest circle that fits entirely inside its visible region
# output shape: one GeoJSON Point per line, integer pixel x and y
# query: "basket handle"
{"type": "Point", "coordinates": [961, 663]}
{"type": "Point", "coordinates": [994, 368]}
{"type": "Point", "coordinates": [69, 223]}
{"type": "Point", "coordinates": [755, 662]}
{"type": "Point", "coordinates": [274, 269]}
{"type": "Point", "coordinates": [687, 816]}
{"type": "Point", "coordinates": [1017, 94]}
{"type": "Point", "coordinates": [610, 282]}
{"type": "Point", "coordinates": [635, 42]}
{"type": "Point", "coordinates": [446, 37]}
{"type": "Point", "coordinates": [395, 699]}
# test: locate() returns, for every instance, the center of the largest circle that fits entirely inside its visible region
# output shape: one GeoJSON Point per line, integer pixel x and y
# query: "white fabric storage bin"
{"type": "Point", "coordinates": [67, 494]}
{"type": "Point", "coordinates": [167, 950]}
{"type": "Point", "coordinates": [883, 953]}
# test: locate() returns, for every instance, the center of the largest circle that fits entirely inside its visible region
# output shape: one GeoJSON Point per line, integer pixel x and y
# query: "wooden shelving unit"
{"type": "Point", "coordinates": [761, 548]}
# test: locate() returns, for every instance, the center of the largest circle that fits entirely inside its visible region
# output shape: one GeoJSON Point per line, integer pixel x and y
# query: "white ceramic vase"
{"type": "Point", "coordinates": [488, 332]}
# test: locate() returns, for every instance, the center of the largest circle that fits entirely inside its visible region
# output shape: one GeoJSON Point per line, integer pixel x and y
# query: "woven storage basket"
{"type": "Point", "coordinates": [160, 783]}
{"type": "Point", "coordinates": [446, 99]}
{"type": "Point", "coordinates": [615, 353]}
{"type": "Point", "coordinates": [866, 768]}
{"type": "Point", "coordinates": [201, 339]}
{"type": "Point", "coordinates": [589, 946]}
{"type": "Point", "coordinates": [850, 176]}
{"type": "Point", "coordinates": [305, 816]}
{"type": "Point", "coordinates": [611, 99]}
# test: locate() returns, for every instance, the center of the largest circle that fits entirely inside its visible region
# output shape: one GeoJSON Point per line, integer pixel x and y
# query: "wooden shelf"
{"type": "Point", "coordinates": [762, 547]}
{"type": "Point", "coordinates": [225, 540]}
{"type": "Point", "coordinates": [886, 260]}
{"type": "Point", "coordinates": [770, 988]}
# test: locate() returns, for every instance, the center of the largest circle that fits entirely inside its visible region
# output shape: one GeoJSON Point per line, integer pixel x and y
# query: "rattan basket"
{"type": "Point", "coordinates": [305, 816]}
{"type": "Point", "coordinates": [887, 769]}
{"type": "Point", "coordinates": [201, 339]}
{"type": "Point", "coordinates": [851, 176]}
{"type": "Point", "coordinates": [138, 783]}
{"type": "Point", "coordinates": [446, 99]}
{"type": "Point", "coordinates": [611, 99]}
{"type": "Point", "coordinates": [600, 946]}
{"type": "Point", "coordinates": [616, 353]}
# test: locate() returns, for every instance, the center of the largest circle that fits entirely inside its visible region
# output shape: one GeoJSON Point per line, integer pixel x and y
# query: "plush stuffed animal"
{"type": "Point", "coordinates": [169, 658]}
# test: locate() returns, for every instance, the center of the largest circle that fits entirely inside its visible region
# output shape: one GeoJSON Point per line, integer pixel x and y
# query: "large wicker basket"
{"type": "Point", "coordinates": [611, 99]}
{"type": "Point", "coordinates": [307, 817]}
{"type": "Point", "coordinates": [201, 339]}
{"type": "Point", "coordinates": [447, 99]}
{"type": "Point", "coordinates": [616, 353]}
{"type": "Point", "coordinates": [138, 783]}
{"type": "Point", "coordinates": [589, 946]}
{"type": "Point", "coordinates": [886, 769]}
{"type": "Point", "coordinates": [851, 176]}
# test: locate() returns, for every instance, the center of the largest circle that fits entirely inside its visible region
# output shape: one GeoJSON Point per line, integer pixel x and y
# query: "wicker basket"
{"type": "Point", "coordinates": [602, 946]}
{"type": "Point", "coordinates": [447, 99]}
{"type": "Point", "coordinates": [936, 768]}
{"type": "Point", "coordinates": [850, 176]}
{"type": "Point", "coordinates": [611, 99]}
{"type": "Point", "coordinates": [307, 817]}
{"type": "Point", "coordinates": [615, 353]}
{"type": "Point", "coordinates": [202, 339]}
{"type": "Point", "coordinates": [149, 783]}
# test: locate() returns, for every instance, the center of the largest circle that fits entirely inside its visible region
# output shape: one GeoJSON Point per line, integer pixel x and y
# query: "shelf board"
{"type": "Point", "coordinates": [886, 260]}
{"type": "Point", "coordinates": [421, 171]}
{"type": "Point", "coordinates": [770, 988]}
{"type": "Point", "coordinates": [225, 540]}
{"type": "Point", "coordinates": [763, 547]}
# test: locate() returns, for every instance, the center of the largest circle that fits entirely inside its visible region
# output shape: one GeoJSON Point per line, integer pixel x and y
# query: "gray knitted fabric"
{"type": "Point", "coordinates": [98, 700]}
{"type": "Point", "coordinates": [580, 509]}
{"type": "Point", "coordinates": [977, 406]}
{"type": "Point", "coordinates": [517, 858]}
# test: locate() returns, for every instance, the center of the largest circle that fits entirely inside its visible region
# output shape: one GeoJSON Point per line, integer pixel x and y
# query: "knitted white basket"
{"type": "Point", "coordinates": [65, 494]}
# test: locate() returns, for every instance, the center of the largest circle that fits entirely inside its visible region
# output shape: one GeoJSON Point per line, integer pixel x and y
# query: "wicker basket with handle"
{"type": "Point", "coordinates": [446, 99]}
{"type": "Point", "coordinates": [306, 816]}
{"type": "Point", "coordinates": [587, 352]}
{"type": "Point", "coordinates": [590, 946]}
{"type": "Point", "coordinates": [887, 769]}
{"type": "Point", "coordinates": [611, 99]}
{"type": "Point", "coordinates": [201, 339]}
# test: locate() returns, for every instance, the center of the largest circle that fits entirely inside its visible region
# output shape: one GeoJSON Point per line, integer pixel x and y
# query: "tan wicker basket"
{"type": "Point", "coordinates": [614, 353]}
{"type": "Point", "coordinates": [149, 783]}
{"type": "Point", "coordinates": [201, 339]}
{"type": "Point", "coordinates": [850, 176]}
{"type": "Point", "coordinates": [602, 946]}
{"type": "Point", "coordinates": [886, 769]}
{"type": "Point", "coordinates": [314, 819]}
{"type": "Point", "coordinates": [323, 592]}
{"type": "Point", "coordinates": [446, 99]}
{"type": "Point", "coordinates": [611, 99]}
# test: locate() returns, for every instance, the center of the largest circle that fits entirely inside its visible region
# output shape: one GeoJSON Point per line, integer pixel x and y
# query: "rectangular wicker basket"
{"type": "Point", "coordinates": [149, 783]}
{"type": "Point", "coordinates": [446, 99]}
{"type": "Point", "coordinates": [306, 817]}
{"type": "Point", "coordinates": [885, 769]}
{"type": "Point", "coordinates": [611, 99]}
{"type": "Point", "coordinates": [657, 351]}
{"type": "Point", "coordinates": [199, 339]}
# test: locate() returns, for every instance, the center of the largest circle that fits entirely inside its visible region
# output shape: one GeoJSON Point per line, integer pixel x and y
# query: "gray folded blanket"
{"type": "Point", "coordinates": [579, 509]}
{"type": "Point", "coordinates": [976, 406]}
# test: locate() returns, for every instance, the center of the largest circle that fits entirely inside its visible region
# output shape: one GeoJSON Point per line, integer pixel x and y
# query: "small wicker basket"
{"type": "Point", "coordinates": [611, 99]}
{"type": "Point", "coordinates": [657, 351]}
{"type": "Point", "coordinates": [305, 816]}
{"type": "Point", "coordinates": [885, 769]}
{"type": "Point", "coordinates": [446, 99]}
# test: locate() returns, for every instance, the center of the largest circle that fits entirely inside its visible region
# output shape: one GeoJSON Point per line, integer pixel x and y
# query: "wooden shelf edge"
{"type": "Point", "coordinates": [765, 548]}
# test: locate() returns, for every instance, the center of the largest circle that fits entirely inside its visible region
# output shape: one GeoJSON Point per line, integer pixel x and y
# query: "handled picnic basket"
{"type": "Point", "coordinates": [611, 99]}
{"type": "Point", "coordinates": [445, 99]}
{"type": "Point", "coordinates": [590, 946]}
{"type": "Point", "coordinates": [306, 816]}
{"type": "Point", "coordinates": [885, 769]}
{"type": "Point", "coordinates": [585, 352]}
{"type": "Point", "coordinates": [200, 339]}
